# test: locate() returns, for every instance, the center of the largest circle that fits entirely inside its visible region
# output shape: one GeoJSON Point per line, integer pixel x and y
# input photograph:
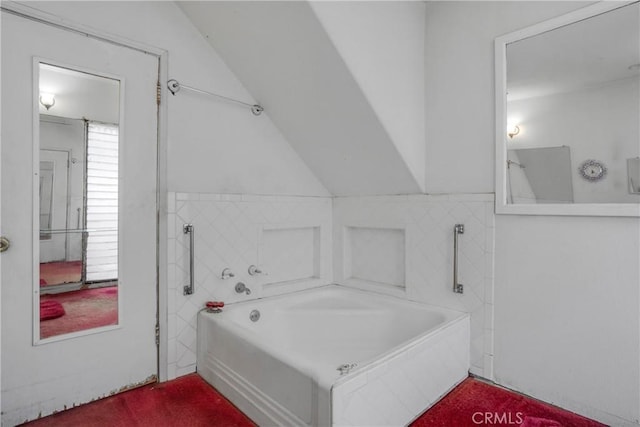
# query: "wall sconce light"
{"type": "Point", "coordinates": [513, 131]}
{"type": "Point", "coordinates": [47, 100]}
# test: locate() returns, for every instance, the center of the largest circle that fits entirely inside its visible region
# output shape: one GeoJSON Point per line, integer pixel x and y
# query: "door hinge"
{"type": "Point", "coordinates": [158, 93]}
{"type": "Point", "coordinates": [157, 335]}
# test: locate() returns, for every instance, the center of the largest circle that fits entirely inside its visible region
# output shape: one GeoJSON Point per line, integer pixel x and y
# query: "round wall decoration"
{"type": "Point", "coordinates": [592, 170]}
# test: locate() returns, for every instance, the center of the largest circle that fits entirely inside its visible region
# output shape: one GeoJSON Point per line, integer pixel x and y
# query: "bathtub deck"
{"type": "Point", "coordinates": [189, 400]}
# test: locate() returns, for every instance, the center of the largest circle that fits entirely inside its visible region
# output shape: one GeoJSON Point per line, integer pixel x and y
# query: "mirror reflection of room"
{"type": "Point", "coordinates": [78, 185]}
{"type": "Point", "coordinates": [573, 102]}
{"type": "Point", "coordinates": [546, 178]}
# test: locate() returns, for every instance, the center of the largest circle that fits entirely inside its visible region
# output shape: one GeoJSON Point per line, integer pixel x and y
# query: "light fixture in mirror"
{"type": "Point", "coordinates": [47, 100]}
{"type": "Point", "coordinates": [573, 84]}
{"type": "Point", "coordinates": [77, 289]}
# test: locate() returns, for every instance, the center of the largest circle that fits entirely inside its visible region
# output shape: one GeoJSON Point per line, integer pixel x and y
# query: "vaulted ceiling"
{"type": "Point", "coordinates": [343, 81]}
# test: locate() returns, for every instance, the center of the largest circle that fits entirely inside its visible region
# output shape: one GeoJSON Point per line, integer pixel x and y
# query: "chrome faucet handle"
{"type": "Point", "coordinates": [253, 270]}
{"type": "Point", "coordinates": [227, 274]}
{"type": "Point", "coordinates": [242, 288]}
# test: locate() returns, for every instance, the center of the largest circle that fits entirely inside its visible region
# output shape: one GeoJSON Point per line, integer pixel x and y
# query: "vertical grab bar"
{"type": "Point", "coordinates": [458, 288]}
{"type": "Point", "coordinates": [188, 229]}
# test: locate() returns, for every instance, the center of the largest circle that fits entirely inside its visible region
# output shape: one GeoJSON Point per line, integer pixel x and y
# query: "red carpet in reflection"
{"type": "Point", "coordinates": [84, 309]}
{"type": "Point", "coordinates": [474, 403]}
{"type": "Point", "coordinates": [188, 401]}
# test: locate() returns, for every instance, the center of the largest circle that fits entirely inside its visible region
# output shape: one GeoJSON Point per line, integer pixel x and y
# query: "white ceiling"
{"type": "Point", "coordinates": [80, 95]}
{"type": "Point", "coordinates": [584, 54]}
{"type": "Point", "coordinates": [283, 55]}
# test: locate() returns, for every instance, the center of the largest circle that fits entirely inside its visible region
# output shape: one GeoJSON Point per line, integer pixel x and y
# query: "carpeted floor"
{"type": "Point", "coordinates": [186, 402]}
{"type": "Point", "coordinates": [84, 309]}
{"type": "Point", "coordinates": [190, 402]}
{"type": "Point", "coordinates": [475, 403]}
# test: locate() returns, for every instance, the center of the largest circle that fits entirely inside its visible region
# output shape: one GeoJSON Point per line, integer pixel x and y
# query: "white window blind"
{"type": "Point", "coordinates": [102, 202]}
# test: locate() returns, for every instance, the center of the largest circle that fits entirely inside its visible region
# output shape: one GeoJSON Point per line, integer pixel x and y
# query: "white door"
{"type": "Point", "coordinates": [54, 170]}
{"type": "Point", "coordinates": [42, 376]}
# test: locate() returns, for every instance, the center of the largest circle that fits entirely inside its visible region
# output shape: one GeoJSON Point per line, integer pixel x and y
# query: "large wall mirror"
{"type": "Point", "coordinates": [77, 290]}
{"type": "Point", "coordinates": [568, 114]}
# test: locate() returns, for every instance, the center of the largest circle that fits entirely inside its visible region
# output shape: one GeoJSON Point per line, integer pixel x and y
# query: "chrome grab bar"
{"type": "Point", "coordinates": [457, 287]}
{"type": "Point", "coordinates": [188, 229]}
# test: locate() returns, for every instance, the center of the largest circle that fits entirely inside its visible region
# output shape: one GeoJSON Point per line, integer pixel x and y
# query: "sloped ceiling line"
{"type": "Point", "coordinates": [282, 53]}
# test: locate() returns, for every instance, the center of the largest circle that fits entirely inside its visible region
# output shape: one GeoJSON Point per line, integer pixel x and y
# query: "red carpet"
{"type": "Point", "coordinates": [85, 309]}
{"type": "Point", "coordinates": [475, 403]}
{"type": "Point", "coordinates": [186, 402]}
{"type": "Point", "coordinates": [190, 402]}
{"type": "Point", "coordinates": [55, 273]}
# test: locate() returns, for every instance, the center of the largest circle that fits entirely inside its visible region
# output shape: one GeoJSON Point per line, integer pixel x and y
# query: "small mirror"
{"type": "Point", "coordinates": [78, 194]}
{"type": "Point", "coordinates": [568, 103]}
{"type": "Point", "coordinates": [633, 173]}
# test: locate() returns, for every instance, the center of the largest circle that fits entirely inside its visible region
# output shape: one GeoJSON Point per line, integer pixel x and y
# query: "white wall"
{"type": "Point", "coordinates": [382, 43]}
{"type": "Point", "coordinates": [567, 310]}
{"type": "Point", "coordinates": [555, 348]}
{"type": "Point", "coordinates": [459, 87]}
{"type": "Point", "coordinates": [610, 133]}
{"type": "Point", "coordinates": [213, 146]}
{"type": "Point", "coordinates": [285, 57]}
{"type": "Point", "coordinates": [566, 289]}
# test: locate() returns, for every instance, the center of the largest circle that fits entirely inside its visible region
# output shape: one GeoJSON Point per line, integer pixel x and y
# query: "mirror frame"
{"type": "Point", "coordinates": [36, 339]}
{"type": "Point", "coordinates": [574, 209]}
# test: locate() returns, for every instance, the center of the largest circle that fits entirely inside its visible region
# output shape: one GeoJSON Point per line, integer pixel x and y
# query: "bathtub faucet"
{"type": "Point", "coordinates": [242, 288]}
{"type": "Point", "coordinates": [253, 270]}
{"type": "Point", "coordinates": [226, 274]}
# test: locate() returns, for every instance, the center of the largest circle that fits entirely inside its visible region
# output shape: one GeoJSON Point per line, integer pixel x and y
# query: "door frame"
{"type": "Point", "coordinates": [27, 12]}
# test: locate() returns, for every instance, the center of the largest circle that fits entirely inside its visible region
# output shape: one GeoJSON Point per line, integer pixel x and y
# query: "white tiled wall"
{"type": "Point", "coordinates": [230, 232]}
{"type": "Point", "coordinates": [375, 254]}
{"type": "Point", "coordinates": [289, 253]}
{"type": "Point", "coordinates": [227, 231]}
{"type": "Point", "coordinates": [428, 222]}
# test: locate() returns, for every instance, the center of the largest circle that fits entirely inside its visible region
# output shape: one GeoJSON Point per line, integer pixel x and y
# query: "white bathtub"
{"type": "Point", "coordinates": [284, 368]}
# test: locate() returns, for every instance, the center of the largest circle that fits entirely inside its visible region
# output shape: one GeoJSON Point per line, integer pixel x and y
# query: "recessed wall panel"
{"type": "Point", "coordinates": [376, 255]}
{"type": "Point", "coordinates": [290, 254]}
